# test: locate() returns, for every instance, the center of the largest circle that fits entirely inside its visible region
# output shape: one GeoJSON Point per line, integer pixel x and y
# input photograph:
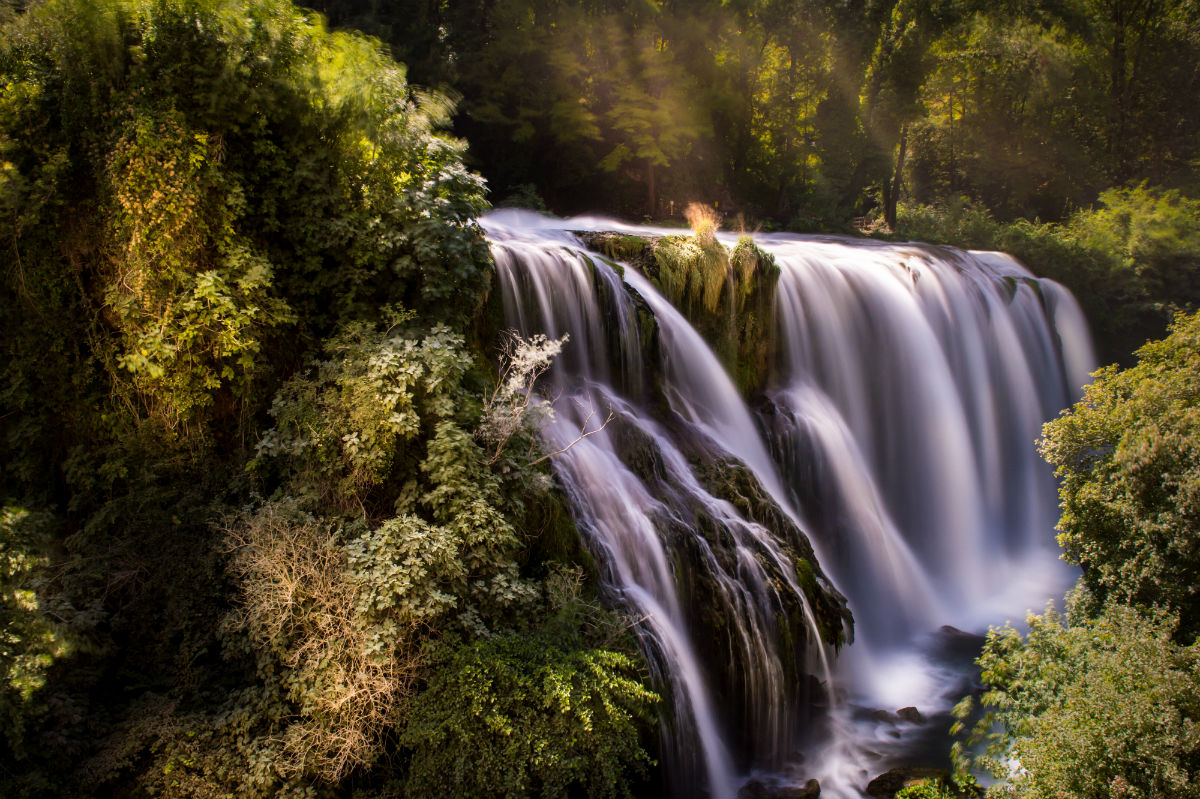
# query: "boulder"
{"type": "Point", "coordinates": [886, 785]}
{"type": "Point", "coordinates": [757, 789]}
{"type": "Point", "coordinates": [810, 790]}
{"type": "Point", "coordinates": [911, 715]}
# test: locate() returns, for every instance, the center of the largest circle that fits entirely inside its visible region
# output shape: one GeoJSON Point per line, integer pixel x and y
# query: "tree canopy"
{"type": "Point", "coordinates": [805, 114]}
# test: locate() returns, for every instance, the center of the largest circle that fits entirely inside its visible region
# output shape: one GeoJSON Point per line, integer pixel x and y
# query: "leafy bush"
{"type": "Point", "coordinates": [927, 789]}
{"type": "Point", "coordinates": [1105, 703]}
{"type": "Point", "coordinates": [1128, 460]}
{"type": "Point", "coordinates": [335, 610]}
{"type": "Point", "coordinates": [346, 666]}
{"type": "Point", "coordinates": [31, 640]}
{"type": "Point", "coordinates": [341, 429]}
{"type": "Point", "coordinates": [1094, 708]}
{"type": "Point", "coordinates": [537, 719]}
{"type": "Point", "coordinates": [1133, 261]}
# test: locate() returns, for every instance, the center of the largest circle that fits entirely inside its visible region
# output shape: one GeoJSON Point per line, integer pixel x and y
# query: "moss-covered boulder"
{"type": "Point", "coordinates": [727, 295]}
{"type": "Point", "coordinates": [733, 533]}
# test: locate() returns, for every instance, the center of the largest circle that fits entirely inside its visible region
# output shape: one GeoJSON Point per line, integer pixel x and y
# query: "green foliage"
{"type": "Point", "coordinates": [389, 530]}
{"type": "Point", "coordinates": [1104, 702]}
{"type": "Point", "coordinates": [537, 719]}
{"type": "Point", "coordinates": [193, 188]}
{"type": "Point", "coordinates": [378, 429]}
{"type": "Point", "coordinates": [31, 640]}
{"type": "Point", "coordinates": [1154, 237]}
{"type": "Point", "coordinates": [188, 296]}
{"type": "Point", "coordinates": [1132, 261]}
{"type": "Point", "coordinates": [343, 429]}
{"type": "Point", "coordinates": [1128, 460]}
{"type": "Point", "coordinates": [335, 613]}
{"type": "Point", "coordinates": [208, 209]}
{"type": "Point", "coordinates": [927, 789]}
{"type": "Point", "coordinates": [808, 115]}
{"type": "Point", "coordinates": [1093, 708]}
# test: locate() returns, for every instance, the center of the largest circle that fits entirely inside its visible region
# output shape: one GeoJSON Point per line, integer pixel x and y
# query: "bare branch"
{"type": "Point", "coordinates": [507, 409]}
{"type": "Point", "coordinates": [584, 433]}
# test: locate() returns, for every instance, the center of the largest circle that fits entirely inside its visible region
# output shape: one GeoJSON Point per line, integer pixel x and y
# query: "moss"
{"type": "Point", "coordinates": [1010, 288]}
{"type": "Point", "coordinates": [728, 296]}
{"type": "Point", "coordinates": [617, 246]}
{"type": "Point", "coordinates": [693, 272]}
{"type": "Point", "coordinates": [618, 268]}
{"type": "Point", "coordinates": [1011, 284]}
{"type": "Point", "coordinates": [623, 247]}
{"type": "Point", "coordinates": [804, 574]}
{"type": "Point", "coordinates": [734, 482]}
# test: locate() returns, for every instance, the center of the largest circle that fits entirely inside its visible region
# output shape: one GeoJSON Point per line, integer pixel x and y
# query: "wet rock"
{"type": "Point", "coordinates": [757, 789]}
{"type": "Point", "coordinates": [810, 790]}
{"type": "Point", "coordinates": [883, 717]}
{"type": "Point", "coordinates": [911, 715]}
{"type": "Point", "coordinates": [886, 785]}
{"type": "Point", "coordinates": [957, 646]}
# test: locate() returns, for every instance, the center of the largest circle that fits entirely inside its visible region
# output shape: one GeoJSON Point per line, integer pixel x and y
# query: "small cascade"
{"type": "Point", "coordinates": [915, 380]}
{"type": "Point", "coordinates": [912, 385]}
{"type": "Point", "coordinates": [892, 450]}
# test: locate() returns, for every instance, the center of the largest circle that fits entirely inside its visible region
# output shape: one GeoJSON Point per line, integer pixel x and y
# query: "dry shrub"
{"type": "Point", "coordinates": [704, 220]}
{"type": "Point", "coordinates": [349, 677]}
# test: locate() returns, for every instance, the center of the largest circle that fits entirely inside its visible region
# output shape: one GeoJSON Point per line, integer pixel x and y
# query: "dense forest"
{"type": "Point", "coordinates": [270, 522]}
{"type": "Point", "coordinates": [1059, 130]}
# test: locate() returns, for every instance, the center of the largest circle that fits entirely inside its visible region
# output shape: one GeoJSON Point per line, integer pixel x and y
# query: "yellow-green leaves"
{"type": "Point", "coordinates": [1128, 457]}
{"type": "Point", "coordinates": [539, 720]}
{"type": "Point", "coordinates": [31, 640]}
{"type": "Point", "coordinates": [1095, 707]}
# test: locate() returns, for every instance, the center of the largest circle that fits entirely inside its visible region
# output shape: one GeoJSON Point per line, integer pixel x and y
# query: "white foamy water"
{"type": "Point", "coordinates": [897, 434]}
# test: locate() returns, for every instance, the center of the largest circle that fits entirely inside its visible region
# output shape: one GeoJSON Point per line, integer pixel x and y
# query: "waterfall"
{"type": "Point", "coordinates": [888, 467]}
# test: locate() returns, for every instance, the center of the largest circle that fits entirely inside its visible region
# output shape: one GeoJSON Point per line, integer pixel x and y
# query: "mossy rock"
{"type": "Point", "coordinates": [1012, 283]}
{"type": "Point", "coordinates": [620, 246]}
{"type": "Point", "coordinates": [891, 782]}
{"type": "Point", "coordinates": [728, 296]}
{"type": "Point", "coordinates": [735, 483]}
{"type": "Point", "coordinates": [696, 539]}
{"type": "Point", "coordinates": [635, 251]}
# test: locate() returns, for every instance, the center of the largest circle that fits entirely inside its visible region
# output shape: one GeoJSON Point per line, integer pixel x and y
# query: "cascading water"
{"type": "Point", "coordinates": [896, 432]}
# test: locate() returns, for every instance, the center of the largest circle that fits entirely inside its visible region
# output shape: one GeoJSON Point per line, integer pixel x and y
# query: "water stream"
{"type": "Point", "coordinates": [891, 459]}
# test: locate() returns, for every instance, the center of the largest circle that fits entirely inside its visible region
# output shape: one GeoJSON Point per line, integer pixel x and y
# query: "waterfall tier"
{"type": "Point", "coordinates": [878, 460]}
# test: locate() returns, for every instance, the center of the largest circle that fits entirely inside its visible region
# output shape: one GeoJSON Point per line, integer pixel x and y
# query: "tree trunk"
{"type": "Point", "coordinates": [1116, 91]}
{"type": "Point", "coordinates": [891, 188]}
{"type": "Point", "coordinates": [651, 199]}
